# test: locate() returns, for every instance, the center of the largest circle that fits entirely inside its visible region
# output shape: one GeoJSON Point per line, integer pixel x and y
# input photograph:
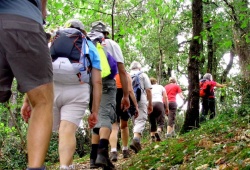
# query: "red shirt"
{"type": "Point", "coordinates": [171, 90]}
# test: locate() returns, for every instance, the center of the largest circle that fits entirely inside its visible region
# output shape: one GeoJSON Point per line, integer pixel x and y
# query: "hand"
{"type": "Point", "coordinates": [167, 111]}
{"type": "Point", "coordinates": [26, 111]}
{"type": "Point", "coordinates": [125, 104]}
{"type": "Point", "coordinates": [150, 108]}
{"type": "Point", "coordinates": [92, 120]}
{"type": "Point", "coordinates": [136, 112]}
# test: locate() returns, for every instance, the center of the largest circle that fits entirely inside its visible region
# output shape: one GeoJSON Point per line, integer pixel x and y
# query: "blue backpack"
{"type": "Point", "coordinates": [137, 86]}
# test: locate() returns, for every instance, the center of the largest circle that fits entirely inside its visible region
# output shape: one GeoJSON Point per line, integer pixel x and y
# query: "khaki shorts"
{"type": "Point", "coordinates": [24, 54]}
{"type": "Point", "coordinates": [70, 103]}
{"type": "Point", "coordinates": [107, 114]}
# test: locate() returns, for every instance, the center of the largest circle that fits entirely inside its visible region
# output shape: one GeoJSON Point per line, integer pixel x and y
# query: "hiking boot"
{"type": "Point", "coordinates": [125, 153]}
{"type": "Point", "coordinates": [92, 164]}
{"type": "Point", "coordinates": [158, 139]}
{"type": "Point", "coordinates": [153, 139]}
{"type": "Point", "coordinates": [113, 156]}
{"type": "Point", "coordinates": [135, 145]}
{"type": "Point", "coordinates": [110, 166]}
{"type": "Point", "coordinates": [102, 156]}
{"type": "Point", "coordinates": [168, 135]}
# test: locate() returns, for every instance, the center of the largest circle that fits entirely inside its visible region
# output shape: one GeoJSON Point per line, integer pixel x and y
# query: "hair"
{"type": "Point", "coordinates": [172, 80]}
{"type": "Point", "coordinates": [135, 65]}
{"type": "Point", "coordinates": [208, 76]}
{"type": "Point", "coordinates": [153, 80]}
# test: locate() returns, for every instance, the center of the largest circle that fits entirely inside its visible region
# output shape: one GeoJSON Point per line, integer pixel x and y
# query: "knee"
{"type": "Point", "coordinates": [5, 96]}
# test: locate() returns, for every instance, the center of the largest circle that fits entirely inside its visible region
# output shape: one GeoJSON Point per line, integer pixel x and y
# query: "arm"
{"type": "Point", "coordinates": [181, 95]}
{"type": "Point", "coordinates": [165, 100]}
{"type": "Point", "coordinates": [220, 85]}
{"type": "Point", "coordinates": [149, 97]}
{"type": "Point", "coordinates": [97, 93]}
{"type": "Point", "coordinates": [44, 11]}
{"type": "Point", "coordinates": [123, 76]}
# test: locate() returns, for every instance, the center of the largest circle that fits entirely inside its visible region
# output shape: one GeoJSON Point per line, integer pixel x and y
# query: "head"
{"type": "Point", "coordinates": [135, 65]}
{"type": "Point", "coordinates": [208, 76]}
{"type": "Point", "coordinates": [75, 23]}
{"type": "Point", "coordinates": [99, 26]}
{"type": "Point", "coordinates": [153, 80]}
{"type": "Point", "coordinates": [172, 80]}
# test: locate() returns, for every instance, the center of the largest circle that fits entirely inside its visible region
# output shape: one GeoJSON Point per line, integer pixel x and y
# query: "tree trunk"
{"type": "Point", "coordinates": [192, 114]}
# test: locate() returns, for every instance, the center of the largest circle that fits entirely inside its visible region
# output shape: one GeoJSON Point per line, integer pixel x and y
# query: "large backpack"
{"type": "Point", "coordinates": [137, 85]}
{"type": "Point", "coordinates": [205, 88]}
{"type": "Point", "coordinates": [70, 55]}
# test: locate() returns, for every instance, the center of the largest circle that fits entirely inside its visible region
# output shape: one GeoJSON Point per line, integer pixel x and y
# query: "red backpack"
{"type": "Point", "coordinates": [205, 88]}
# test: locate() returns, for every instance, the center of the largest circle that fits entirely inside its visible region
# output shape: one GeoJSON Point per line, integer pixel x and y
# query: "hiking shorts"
{"type": "Point", "coordinates": [172, 113]}
{"type": "Point", "coordinates": [24, 54]}
{"type": "Point", "coordinates": [119, 112]}
{"type": "Point", "coordinates": [107, 114]}
{"type": "Point", "coordinates": [141, 120]}
{"type": "Point", "coordinates": [70, 103]}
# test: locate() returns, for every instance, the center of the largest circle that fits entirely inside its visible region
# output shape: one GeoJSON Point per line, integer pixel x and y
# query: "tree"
{"type": "Point", "coordinates": [192, 114]}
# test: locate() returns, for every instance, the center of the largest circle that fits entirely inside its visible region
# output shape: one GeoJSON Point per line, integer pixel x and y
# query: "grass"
{"type": "Point", "coordinates": [221, 143]}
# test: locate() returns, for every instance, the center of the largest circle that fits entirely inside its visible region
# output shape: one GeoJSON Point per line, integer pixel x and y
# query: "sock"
{"type": "Point", "coordinates": [113, 150]}
{"type": "Point", "coordinates": [64, 167]}
{"type": "Point", "coordinates": [41, 168]}
{"type": "Point", "coordinates": [124, 148]}
{"type": "Point", "coordinates": [137, 139]}
{"type": "Point", "coordinates": [93, 153]}
{"type": "Point", "coordinates": [103, 143]}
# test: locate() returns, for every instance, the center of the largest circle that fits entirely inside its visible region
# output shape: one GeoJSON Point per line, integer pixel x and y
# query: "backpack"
{"type": "Point", "coordinates": [205, 88]}
{"type": "Point", "coordinates": [98, 40]}
{"type": "Point", "coordinates": [137, 86]}
{"type": "Point", "coordinates": [70, 55]}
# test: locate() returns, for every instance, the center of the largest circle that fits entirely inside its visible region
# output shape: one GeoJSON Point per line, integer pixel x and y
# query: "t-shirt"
{"type": "Point", "coordinates": [114, 49]}
{"type": "Point", "coordinates": [118, 81]}
{"type": "Point", "coordinates": [145, 84]}
{"type": "Point", "coordinates": [172, 90]}
{"type": "Point", "coordinates": [22, 8]}
{"type": "Point", "coordinates": [94, 56]}
{"type": "Point", "coordinates": [157, 91]}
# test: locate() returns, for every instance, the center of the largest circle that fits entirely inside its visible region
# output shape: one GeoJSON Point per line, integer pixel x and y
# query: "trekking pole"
{"type": "Point", "coordinates": [16, 125]}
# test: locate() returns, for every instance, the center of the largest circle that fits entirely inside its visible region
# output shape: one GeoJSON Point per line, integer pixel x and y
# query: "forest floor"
{"type": "Point", "coordinates": [219, 144]}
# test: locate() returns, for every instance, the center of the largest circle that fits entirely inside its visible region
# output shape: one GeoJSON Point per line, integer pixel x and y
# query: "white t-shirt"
{"type": "Point", "coordinates": [157, 91]}
{"type": "Point", "coordinates": [114, 49]}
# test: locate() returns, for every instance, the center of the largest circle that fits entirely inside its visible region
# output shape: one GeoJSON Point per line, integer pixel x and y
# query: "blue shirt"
{"type": "Point", "coordinates": [22, 8]}
{"type": "Point", "coordinates": [94, 56]}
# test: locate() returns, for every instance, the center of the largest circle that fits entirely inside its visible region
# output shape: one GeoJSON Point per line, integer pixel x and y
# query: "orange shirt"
{"type": "Point", "coordinates": [118, 81]}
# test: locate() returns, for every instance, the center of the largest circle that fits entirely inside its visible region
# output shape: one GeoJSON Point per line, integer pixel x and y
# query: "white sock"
{"type": "Point", "coordinates": [124, 148]}
{"type": "Point", "coordinates": [113, 150]}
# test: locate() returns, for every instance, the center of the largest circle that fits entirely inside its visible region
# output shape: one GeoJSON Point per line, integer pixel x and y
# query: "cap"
{"type": "Point", "coordinates": [93, 35]}
{"type": "Point", "coordinates": [99, 26]}
{"type": "Point", "coordinates": [75, 23]}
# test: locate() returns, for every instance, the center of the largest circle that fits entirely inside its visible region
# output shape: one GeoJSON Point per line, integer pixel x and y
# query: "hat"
{"type": "Point", "coordinates": [93, 35]}
{"type": "Point", "coordinates": [99, 26]}
{"type": "Point", "coordinates": [75, 23]}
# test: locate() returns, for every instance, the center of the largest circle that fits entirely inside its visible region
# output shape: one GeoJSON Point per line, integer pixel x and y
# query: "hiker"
{"type": "Point", "coordinates": [172, 89]}
{"type": "Point", "coordinates": [72, 97]}
{"type": "Point", "coordinates": [122, 119]}
{"type": "Point", "coordinates": [144, 104]}
{"type": "Point", "coordinates": [158, 96]}
{"type": "Point", "coordinates": [25, 56]}
{"type": "Point", "coordinates": [208, 101]}
{"type": "Point", "coordinates": [99, 156]}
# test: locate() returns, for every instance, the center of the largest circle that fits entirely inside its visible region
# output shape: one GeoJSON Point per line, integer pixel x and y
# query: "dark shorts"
{"type": "Point", "coordinates": [24, 54]}
{"type": "Point", "coordinates": [106, 114]}
{"type": "Point", "coordinates": [172, 113]}
{"type": "Point", "coordinates": [119, 112]}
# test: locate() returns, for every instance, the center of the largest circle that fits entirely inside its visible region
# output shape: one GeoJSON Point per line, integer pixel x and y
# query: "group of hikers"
{"type": "Point", "coordinates": [81, 70]}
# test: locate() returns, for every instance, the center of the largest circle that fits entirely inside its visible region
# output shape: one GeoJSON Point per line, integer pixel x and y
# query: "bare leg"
{"type": "Point", "coordinates": [40, 124]}
{"type": "Point", "coordinates": [67, 142]}
{"type": "Point", "coordinates": [124, 133]}
{"type": "Point", "coordinates": [113, 136]}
